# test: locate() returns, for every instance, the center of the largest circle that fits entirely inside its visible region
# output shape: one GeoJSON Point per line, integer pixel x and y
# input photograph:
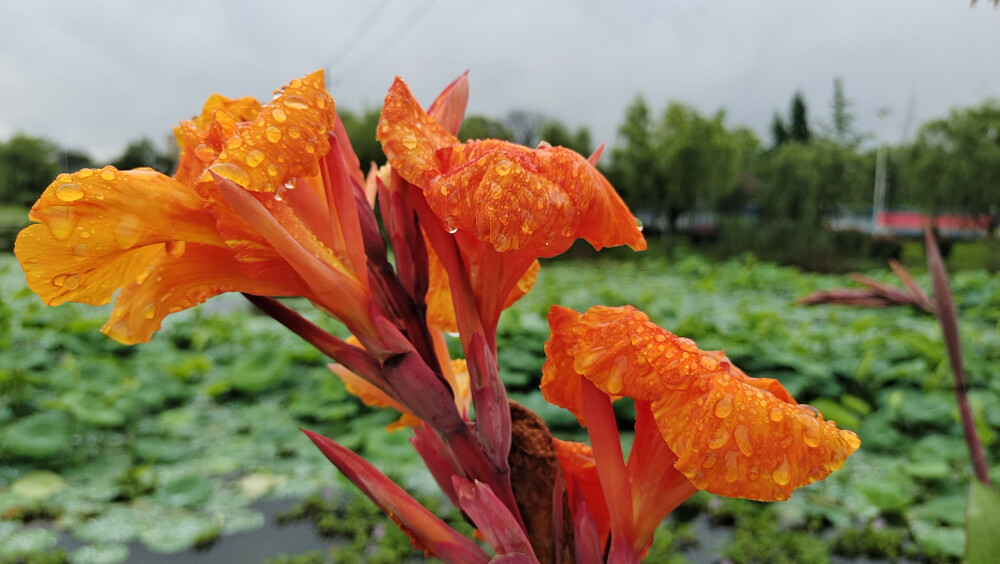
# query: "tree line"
{"type": "Point", "coordinates": [679, 160]}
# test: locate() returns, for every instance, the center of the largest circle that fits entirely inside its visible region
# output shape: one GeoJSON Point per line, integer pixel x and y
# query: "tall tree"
{"type": "Point", "coordinates": [954, 163]}
{"type": "Point", "coordinates": [634, 160]}
{"type": "Point", "coordinates": [843, 118]}
{"type": "Point", "coordinates": [480, 127]}
{"type": "Point", "coordinates": [142, 153]}
{"type": "Point", "coordinates": [555, 133]}
{"type": "Point", "coordinates": [525, 126]}
{"type": "Point", "coordinates": [798, 130]}
{"type": "Point", "coordinates": [27, 166]}
{"type": "Point", "coordinates": [779, 132]}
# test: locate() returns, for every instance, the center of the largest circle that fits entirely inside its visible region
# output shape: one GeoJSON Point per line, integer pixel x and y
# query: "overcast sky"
{"type": "Point", "coordinates": [96, 75]}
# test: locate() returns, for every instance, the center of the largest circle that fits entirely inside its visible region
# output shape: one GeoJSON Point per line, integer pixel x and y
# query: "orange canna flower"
{"type": "Point", "coordinates": [701, 423]}
{"type": "Point", "coordinates": [506, 204]}
{"type": "Point", "coordinates": [230, 219]}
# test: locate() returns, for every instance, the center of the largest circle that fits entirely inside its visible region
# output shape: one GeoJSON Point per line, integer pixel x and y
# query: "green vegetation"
{"type": "Point", "coordinates": [170, 443]}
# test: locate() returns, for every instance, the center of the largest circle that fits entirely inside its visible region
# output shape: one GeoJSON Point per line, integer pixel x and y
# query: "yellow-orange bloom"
{"type": "Point", "coordinates": [167, 243]}
{"type": "Point", "coordinates": [733, 435]}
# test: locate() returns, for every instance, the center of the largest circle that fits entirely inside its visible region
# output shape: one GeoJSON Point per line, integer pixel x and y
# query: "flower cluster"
{"type": "Point", "coordinates": [270, 200]}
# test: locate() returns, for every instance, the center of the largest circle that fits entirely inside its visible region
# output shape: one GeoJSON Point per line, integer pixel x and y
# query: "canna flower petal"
{"type": "Point", "coordinates": [283, 142]}
{"type": "Point", "coordinates": [497, 524]}
{"type": "Point", "coordinates": [732, 434]}
{"type": "Point", "coordinates": [577, 462]}
{"type": "Point", "coordinates": [440, 308]}
{"type": "Point", "coordinates": [514, 198]}
{"type": "Point", "coordinates": [96, 236]}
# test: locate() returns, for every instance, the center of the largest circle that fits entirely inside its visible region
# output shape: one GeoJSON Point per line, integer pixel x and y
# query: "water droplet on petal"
{"type": "Point", "coordinates": [60, 220]}
{"type": "Point", "coordinates": [273, 134]}
{"type": "Point", "coordinates": [272, 169]}
{"type": "Point", "coordinates": [69, 192]}
{"type": "Point", "coordinates": [254, 158]}
{"type": "Point", "coordinates": [294, 132]}
{"type": "Point", "coordinates": [279, 115]}
{"type": "Point", "coordinates": [72, 282]}
{"type": "Point", "coordinates": [742, 436]}
{"type": "Point", "coordinates": [501, 243]}
{"type": "Point", "coordinates": [638, 224]}
{"type": "Point", "coordinates": [150, 311]}
{"type": "Point", "coordinates": [85, 173]}
{"type": "Point", "coordinates": [232, 172]}
{"type": "Point", "coordinates": [127, 231]}
{"type": "Point", "coordinates": [296, 102]}
{"type": "Point", "coordinates": [449, 224]}
{"type": "Point", "coordinates": [410, 141]}
{"type": "Point", "coordinates": [732, 469]}
{"type": "Point", "coordinates": [720, 439]}
{"type": "Point", "coordinates": [710, 460]}
{"type": "Point", "coordinates": [686, 345]}
{"type": "Point", "coordinates": [708, 363]}
{"type": "Point", "coordinates": [782, 474]}
{"type": "Point", "coordinates": [234, 143]}
{"type": "Point", "coordinates": [776, 414]}
{"type": "Point", "coordinates": [724, 407]}
{"type": "Point", "coordinates": [850, 438]}
{"type": "Point", "coordinates": [80, 250]}
{"type": "Point", "coordinates": [108, 173]}
{"type": "Point", "coordinates": [503, 167]}
{"type": "Point", "coordinates": [175, 249]}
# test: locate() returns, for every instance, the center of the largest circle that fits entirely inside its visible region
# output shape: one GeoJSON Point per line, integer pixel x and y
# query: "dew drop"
{"type": "Point", "coordinates": [295, 102]}
{"type": "Point", "coordinates": [279, 115]}
{"type": "Point", "coordinates": [450, 225]}
{"type": "Point", "coordinates": [85, 173]}
{"type": "Point", "coordinates": [127, 231]}
{"type": "Point", "coordinates": [60, 220]}
{"type": "Point", "coordinates": [785, 442]}
{"type": "Point", "coordinates": [731, 467]}
{"type": "Point", "coordinates": [700, 480]}
{"type": "Point", "coordinates": [310, 147]}
{"type": "Point", "coordinates": [72, 282]}
{"type": "Point", "coordinates": [272, 169]}
{"type": "Point", "coordinates": [742, 435]}
{"type": "Point", "coordinates": [776, 414]}
{"type": "Point", "coordinates": [150, 311]}
{"type": "Point", "coordinates": [720, 439]}
{"type": "Point", "coordinates": [294, 132]}
{"type": "Point", "coordinates": [724, 407]}
{"type": "Point", "coordinates": [503, 167]}
{"type": "Point", "coordinates": [234, 143]}
{"type": "Point", "coordinates": [710, 460]}
{"type": "Point", "coordinates": [85, 234]}
{"type": "Point", "coordinates": [501, 243]}
{"type": "Point", "coordinates": [69, 192]}
{"type": "Point", "coordinates": [811, 432]}
{"type": "Point", "coordinates": [80, 250]}
{"type": "Point", "coordinates": [782, 474]}
{"type": "Point", "coordinates": [175, 249]}
{"type": "Point", "coordinates": [108, 173]}
{"type": "Point", "coordinates": [232, 172]}
{"type": "Point", "coordinates": [254, 158]}
{"type": "Point", "coordinates": [410, 141]}
{"type": "Point", "coordinates": [708, 363]}
{"type": "Point", "coordinates": [273, 134]}
{"type": "Point", "coordinates": [686, 345]}
{"type": "Point", "coordinates": [638, 224]}
{"type": "Point", "coordinates": [851, 438]}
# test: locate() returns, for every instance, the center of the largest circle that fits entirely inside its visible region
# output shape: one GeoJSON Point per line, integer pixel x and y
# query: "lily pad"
{"type": "Point", "coordinates": [28, 540]}
{"type": "Point", "coordinates": [38, 485]}
{"type": "Point", "coordinates": [186, 491]}
{"type": "Point", "coordinates": [100, 554]}
{"type": "Point", "coordinates": [937, 540]}
{"type": "Point", "coordinates": [39, 435]}
{"type": "Point", "coordinates": [178, 532]}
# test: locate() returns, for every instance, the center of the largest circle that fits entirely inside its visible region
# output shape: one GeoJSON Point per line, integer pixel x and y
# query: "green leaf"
{"type": "Point", "coordinates": [39, 435]}
{"type": "Point", "coordinates": [982, 524]}
{"type": "Point", "coordinates": [38, 485]}
{"type": "Point", "coordinates": [184, 491]}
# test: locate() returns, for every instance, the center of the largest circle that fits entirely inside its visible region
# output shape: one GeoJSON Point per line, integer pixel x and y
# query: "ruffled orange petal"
{"type": "Point", "coordinates": [515, 198]}
{"type": "Point", "coordinates": [202, 139]}
{"type": "Point", "coordinates": [140, 232]}
{"type": "Point", "coordinates": [731, 434]}
{"type": "Point", "coordinates": [285, 140]}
